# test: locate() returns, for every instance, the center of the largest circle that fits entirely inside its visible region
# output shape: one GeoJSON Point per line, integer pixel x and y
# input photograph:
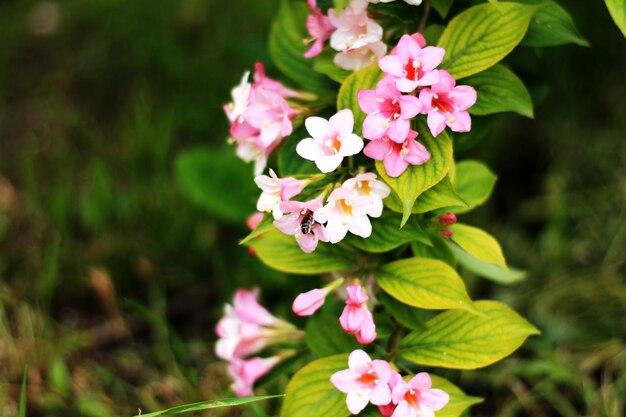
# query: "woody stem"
{"type": "Point", "coordinates": [424, 20]}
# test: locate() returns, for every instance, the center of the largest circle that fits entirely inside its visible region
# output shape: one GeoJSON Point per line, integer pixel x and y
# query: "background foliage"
{"type": "Point", "coordinates": [113, 268]}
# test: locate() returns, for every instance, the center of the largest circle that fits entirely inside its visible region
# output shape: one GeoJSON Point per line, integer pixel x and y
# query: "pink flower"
{"type": "Point", "coordinates": [275, 191]}
{"type": "Point", "coordinates": [417, 399]}
{"type": "Point", "coordinates": [320, 28]}
{"type": "Point", "coordinates": [254, 220]}
{"type": "Point", "coordinates": [299, 221]}
{"type": "Point", "coordinates": [345, 212]}
{"type": "Point", "coordinates": [354, 28]}
{"type": "Point", "coordinates": [306, 304]}
{"type": "Point", "coordinates": [356, 319]}
{"type": "Point", "coordinates": [353, 59]}
{"type": "Point", "coordinates": [411, 2]}
{"type": "Point", "coordinates": [447, 104]}
{"type": "Point", "coordinates": [247, 327]}
{"type": "Point", "coordinates": [389, 113]}
{"type": "Point", "coordinates": [364, 381]}
{"type": "Point", "coordinates": [398, 156]}
{"type": "Point", "coordinates": [270, 114]}
{"type": "Point", "coordinates": [240, 95]}
{"type": "Point", "coordinates": [331, 140]}
{"type": "Point", "coordinates": [388, 409]}
{"type": "Point", "coordinates": [367, 186]}
{"type": "Point", "coordinates": [245, 373]}
{"type": "Point", "coordinates": [411, 65]}
{"type": "Point", "coordinates": [261, 80]}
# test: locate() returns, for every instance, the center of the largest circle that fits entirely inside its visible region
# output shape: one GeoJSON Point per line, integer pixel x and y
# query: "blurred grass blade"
{"type": "Point", "coordinates": [205, 405]}
{"type": "Point", "coordinates": [21, 410]}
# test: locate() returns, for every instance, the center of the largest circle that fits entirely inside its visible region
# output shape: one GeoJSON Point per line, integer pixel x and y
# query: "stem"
{"type": "Point", "coordinates": [424, 20]}
{"type": "Point", "coordinates": [394, 341]}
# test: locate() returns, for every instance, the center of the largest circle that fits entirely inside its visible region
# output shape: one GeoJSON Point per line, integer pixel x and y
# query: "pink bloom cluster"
{"type": "Point", "coordinates": [412, 85]}
{"type": "Point", "coordinates": [260, 116]}
{"type": "Point", "coordinates": [246, 329]}
{"type": "Point", "coordinates": [356, 37]}
{"type": "Point", "coordinates": [374, 381]}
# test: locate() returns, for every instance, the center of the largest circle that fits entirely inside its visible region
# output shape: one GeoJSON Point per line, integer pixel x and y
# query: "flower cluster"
{"type": "Point", "coordinates": [245, 330]}
{"type": "Point", "coordinates": [260, 116]}
{"type": "Point", "coordinates": [374, 381]}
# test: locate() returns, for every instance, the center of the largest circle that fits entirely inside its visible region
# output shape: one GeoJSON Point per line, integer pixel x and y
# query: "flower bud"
{"type": "Point", "coordinates": [447, 219]}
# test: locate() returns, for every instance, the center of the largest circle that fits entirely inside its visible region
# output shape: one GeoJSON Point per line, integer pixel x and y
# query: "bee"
{"type": "Point", "coordinates": [306, 225]}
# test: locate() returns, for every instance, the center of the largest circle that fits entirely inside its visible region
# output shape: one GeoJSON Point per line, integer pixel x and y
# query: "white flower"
{"type": "Point", "coordinates": [345, 212]}
{"type": "Point", "coordinates": [367, 186]}
{"type": "Point", "coordinates": [355, 59]}
{"type": "Point", "coordinates": [240, 95]}
{"type": "Point", "coordinates": [331, 140]}
{"type": "Point", "coordinates": [249, 152]}
{"type": "Point", "coordinates": [275, 191]}
{"type": "Point", "coordinates": [354, 28]}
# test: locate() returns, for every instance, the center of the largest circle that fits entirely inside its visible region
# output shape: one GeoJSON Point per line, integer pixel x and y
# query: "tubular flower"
{"type": "Point", "coordinates": [397, 157]}
{"type": "Point", "coordinates": [345, 212]}
{"type": "Point", "coordinates": [320, 28]}
{"type": "Point", "coordinates": [306, 304]}
{"type": "Point", "coordinates": [354, 27]}
{"type": "Point", "coordinates": [245, 373]}
{"type": "Point", "coordinates": [367, 186]}
{"type": "Point", "coordinates": [411, 65]}
{"type": "Point", "coordinates": [364, 381]}
{"type": "Point", "coordinates": [299, 221]}
{"type": "Point", "coordinates": [417, 398]}
{"type": "Point", "coordinates": [356, 319]}
{"type": "Point", "coordinates": [275, 191]}
{"type": "Point", "coordinates": [389, 113]}
{"type": "Point", "coordinates": [446, 104]}
{"type": "Point", "coordinates": [354, 59]}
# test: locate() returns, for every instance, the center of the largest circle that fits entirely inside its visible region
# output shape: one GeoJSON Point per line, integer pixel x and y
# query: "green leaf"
{"type": "Point", "coordinates": [500, 90]}
{"type": "Point", "coordinates": [206, 405]}
{"type": "Point", "coordinates": [59, 376]}
{"type": "Point", "coordinates": [363, 79]}
{"type": "Point", "coordinates": [506, 276]}
{"type": "Point", "coordinates": [617, 8]}
{"type": "Point", "coordinates": [407, 316]}
{"type": "Point", "coordinates": [442, 7]}
{"type": "Point", "coordinates": [325, 64]}
{"type": "Point", "coordinates": [288, 162]}
{"type": "Point", "coordinates": [551, 25]}
{"type": "Point", "coordinates": [419, 178]}
{"type": "Point", "coordinates": [433, 33]}
{"type": "Point", "coordinates": [311, 394]}
{"type": "Point", "coordinates": [459, 401]}
{"type": "Point", "coordinates": [218, 182]}
{"type": "Point", "coordinates": [341, 4]}
{"type": "Point", "coordinates": [325, 337]}
{"type": "Point", "coordinates": [21, 407]}
{"type": "Point", "coordinates": [424, 283]}
{"type": "Point", "coordinates": [461, 340]}
{"type": "Point", "coordinates": [438, 249]}
{"type": "Point", "coordinates": [474, 183]}
{"type": "Point", "coordinates": [287, 47]}
{"type": "Point", "coordinates": [478, 243]}
{"type": "Point", "coordinates": [481, 36]}
{"type": "Point", "coordinates": [281, 252]}
{"type": "Point", "coordinates": [387, 234]}
{"type": "Point", "coordinates": [441, 195]}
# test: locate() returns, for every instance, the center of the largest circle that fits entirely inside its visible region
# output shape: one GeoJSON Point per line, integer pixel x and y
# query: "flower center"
{"type": "Point", "coordinates": [413, 70]}
{"type": "Point", "coordinates": [333, 145]}
{"type": "Point", "coordinates": [369, 378]}
{"type": "Point", "coordinates": [411, 398]}
{"type": "Point", "coordinates": [345, 206]}
{"type": "Point", "coordinates": [442, 103]}
{"type": "Point", "coordinates": [391, 109]}
{"type": "Point", "coordinates": [365, 187]}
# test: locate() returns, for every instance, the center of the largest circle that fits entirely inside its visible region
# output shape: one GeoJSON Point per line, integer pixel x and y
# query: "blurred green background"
{"type": "Point", "coordinates": [113, 273]}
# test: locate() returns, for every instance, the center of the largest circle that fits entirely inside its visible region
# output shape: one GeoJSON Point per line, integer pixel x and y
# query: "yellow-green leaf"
{"type": "Point", "coordinates": [459, 401]}
{"type": "Point", "coordinates": [496, 273]}
{"type": "Point", "coordinates": [387, 234]}
{"type": "Point", "coordinates": [481, 36]}
{"type": "Point", "coordinates": [617, 8]}
{"type": "Point", "coordinates": [363, 79]}
{"type": "Point", "coordinates": [310, 392]}
{"type": "Point", "coordinates": [500, 90]}
{"type": "Point", "coordinates": [424, 283]}
{"type": "Point", "coordinates": [207, 405]}
{"type": "Point", "coordinates": [461, 340]}
{"type": "Point", "coordinates": [419, 178]}
{"type": "Point", "coordinates": [478, 243]}
{"type": "Point", "coordinates": [474, 183]}
{"type": "Point", "coordinates": [441, 195]}
{"type": "Point", "coordinates": [281, 252]}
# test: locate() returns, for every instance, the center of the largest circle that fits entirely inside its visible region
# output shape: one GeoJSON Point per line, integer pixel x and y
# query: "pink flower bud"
{"type": "Point", "coordinates": [356, 319]}
{"type": "Point", "coordinates": [447, 219]}
{"type": "Point", "coordinates": [309, 302]}
{"type": "Point", "coordinates": [446, 233]}
{"type": "Point", "coordinates": [254, 220]}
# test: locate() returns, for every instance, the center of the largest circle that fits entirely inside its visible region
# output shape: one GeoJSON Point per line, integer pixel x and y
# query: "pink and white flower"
{"type": "Point", "coordinates": [354, 27]}
{"type": "Point", "coordinates": [417, 398]}
{"type": "Point", "coordinates": [388, 409]}
{"type": "Point", "coordinates": [261, 80]}
{"type": "Point", "coordinates": [320, 28]}
{"type": "Point", "coordinates": [446, 105]}
{"type": "Point", "coordinates": [240, 94]}
{"type": "Point", "coordinates": [411, 2]}
{"type": "Point", "coordinates": [397, 157]}
{"type": "Point", "coordinates": [298, 220]}
{"type": "Point", "coordinates": [364, 381]}
{"type": "Point", "coordinates": [275, 191]}
{"type": "Point", "coordinates": [331, 140]}
{"type": "Point", "coordinates": [354, 59]}
{"type": "Point", "coordinates": [411, 65]}
{"type": "Point", "coordinates": [367, 186]}
{"type": "Point", "coordinates": [345, 212]}
{"type": "Point", "coordinates": [389, 112]}
{"type": "Point", "coordinates": [246, 372]}
{"type": "Point", "coordinates": [254, 220]}
{"type": "Point", "coordinates": [307, 303]}
{"type": "Point", "coordinates": [356, 319]}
